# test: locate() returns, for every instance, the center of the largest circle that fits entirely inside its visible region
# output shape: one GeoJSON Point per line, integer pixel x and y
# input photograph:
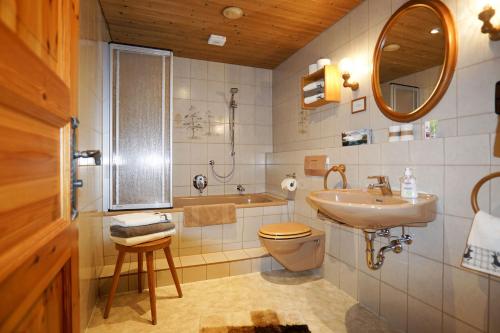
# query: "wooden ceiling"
{"type": "Point", "coordinates": [269, 32]}
{"type": "Point", "coordinates": [419, 48]}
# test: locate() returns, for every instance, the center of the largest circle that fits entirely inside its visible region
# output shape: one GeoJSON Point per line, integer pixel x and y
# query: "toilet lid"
{"type": "Point", "coordinates": [284, 230]}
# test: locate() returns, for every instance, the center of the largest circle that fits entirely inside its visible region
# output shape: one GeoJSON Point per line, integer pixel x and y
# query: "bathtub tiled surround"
{"type": "Point", "coordinates": [423, 289]}
{"type": "Point", "coordinates": [94, 36]}
{"type": "Point", "coordinates": [203, 87]}
{"type": "Point", "coordinates": [205, 252]}
{"type": "Point", "coordinates": [193, 268]}
{"type": "Point", "coordinates": [214, 238]}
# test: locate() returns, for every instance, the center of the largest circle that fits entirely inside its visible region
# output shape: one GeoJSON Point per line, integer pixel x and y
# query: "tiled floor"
{"type": "Point", "coordinates": [323, 307]}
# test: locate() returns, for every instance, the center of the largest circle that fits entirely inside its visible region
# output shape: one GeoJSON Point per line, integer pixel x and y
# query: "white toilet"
{"type": "Point", "coordinates": [296, 246]}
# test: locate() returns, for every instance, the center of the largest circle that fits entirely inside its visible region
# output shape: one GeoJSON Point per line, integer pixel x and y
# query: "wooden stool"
{"type": "Point", "coordinates": [148, 247]}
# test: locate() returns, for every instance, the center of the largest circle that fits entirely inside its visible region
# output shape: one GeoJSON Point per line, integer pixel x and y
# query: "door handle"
{"type": "Point", "coordinates": [95, 154]}
{"type": "Point", "coordinates": [77, 183]}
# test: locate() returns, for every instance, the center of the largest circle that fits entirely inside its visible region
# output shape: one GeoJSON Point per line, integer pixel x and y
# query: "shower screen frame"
{"type": "Point", "coordinates": [113, 117]}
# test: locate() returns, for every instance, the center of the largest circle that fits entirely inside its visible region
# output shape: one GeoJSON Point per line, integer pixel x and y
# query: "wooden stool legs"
{"type": "Point", "coordinates": [139, 271]}
{"type": "Point", "coordinates": [171, 265]}
{"type": "Point", "coordinates": [140, 249]}
{"type": "Point", "coordinates": [151, 285]}
{"type": "Point", "coordinates": [114, 284]}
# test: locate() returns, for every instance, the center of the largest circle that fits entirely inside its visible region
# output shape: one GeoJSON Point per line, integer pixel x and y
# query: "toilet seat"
{"type": "Point", "coordinates": [284, 231]}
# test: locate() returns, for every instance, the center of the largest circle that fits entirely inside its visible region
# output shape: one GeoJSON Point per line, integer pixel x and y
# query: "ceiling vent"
{"type": "Point", "coordinates": [217, 40]}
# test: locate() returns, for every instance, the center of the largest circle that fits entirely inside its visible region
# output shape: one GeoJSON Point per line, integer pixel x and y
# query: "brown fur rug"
{"type": "Point", "coordinates": [266, 321]}
{"type": "Point", "coordinates": [253, 329]}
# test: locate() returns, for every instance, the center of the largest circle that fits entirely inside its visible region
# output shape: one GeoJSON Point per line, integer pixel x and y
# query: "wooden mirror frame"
{"type": "Point", "coordinates": [450, 60]}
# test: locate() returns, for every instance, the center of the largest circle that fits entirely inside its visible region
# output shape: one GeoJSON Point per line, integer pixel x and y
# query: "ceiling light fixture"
{"type": "Point", "coordinates": [232, 13]}
{"type": "Point", "coordinates": [391, 47]}
{"type": "Point", "coordinates": [435, 31]}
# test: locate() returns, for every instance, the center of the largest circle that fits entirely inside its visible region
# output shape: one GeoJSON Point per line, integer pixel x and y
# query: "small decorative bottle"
{"type": "Point", "coordinates": [408, 185]}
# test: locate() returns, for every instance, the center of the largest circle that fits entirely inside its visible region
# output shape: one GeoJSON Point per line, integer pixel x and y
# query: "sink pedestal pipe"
{"type": "Point", "coordinates": [395, 245]}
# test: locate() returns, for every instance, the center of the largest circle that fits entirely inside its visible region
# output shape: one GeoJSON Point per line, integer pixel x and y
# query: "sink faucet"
{"type": "Point", "coordinates": [240, 188]}
{"type": "Point", "coordinates": [383, 184]}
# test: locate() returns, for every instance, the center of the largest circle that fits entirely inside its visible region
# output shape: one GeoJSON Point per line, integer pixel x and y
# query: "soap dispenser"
{"type": "Point", "coordinates": [408, 185]}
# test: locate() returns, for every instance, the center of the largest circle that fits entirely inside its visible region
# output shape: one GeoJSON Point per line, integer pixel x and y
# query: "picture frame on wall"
{"type": "Point", "coordinates": [358, 105]}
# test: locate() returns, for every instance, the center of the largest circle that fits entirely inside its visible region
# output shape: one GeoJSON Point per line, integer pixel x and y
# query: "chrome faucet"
{"type": "Point", "coordinates": [240, 188]}
{"type": "Point", "coordinates": [383, 184]}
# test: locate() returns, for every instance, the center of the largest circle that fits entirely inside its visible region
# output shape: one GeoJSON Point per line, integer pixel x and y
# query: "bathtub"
{"type": "Point", "coordinates": [251, 210]}
{"type": "Point", "coordinates": [240, 200]}
{"type": "Point", "coordinates": [237, 245]}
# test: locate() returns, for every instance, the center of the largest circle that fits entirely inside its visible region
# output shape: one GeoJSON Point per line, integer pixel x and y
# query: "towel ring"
{"type": "Point", "coordinates": [477, 187]}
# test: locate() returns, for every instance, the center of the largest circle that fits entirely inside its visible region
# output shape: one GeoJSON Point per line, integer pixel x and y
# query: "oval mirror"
{"type": "Point", "coordinates": [414, 60]}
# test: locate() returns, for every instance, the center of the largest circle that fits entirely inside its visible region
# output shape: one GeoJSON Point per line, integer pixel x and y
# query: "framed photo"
{"type": "Point", "coordinates": [358, 105]}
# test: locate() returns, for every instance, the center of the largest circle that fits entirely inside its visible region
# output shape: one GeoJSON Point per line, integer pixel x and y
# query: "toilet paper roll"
{"type": "Point", "coordinates": [289, 184]}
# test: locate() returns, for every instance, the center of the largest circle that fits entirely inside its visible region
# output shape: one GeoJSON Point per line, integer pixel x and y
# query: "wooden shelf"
{"type": "Point", "coordinates": [331, 75]}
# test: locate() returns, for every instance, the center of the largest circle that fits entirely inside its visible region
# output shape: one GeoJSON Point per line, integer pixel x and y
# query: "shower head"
{"type": "Point", "coordinates": [234, 90]}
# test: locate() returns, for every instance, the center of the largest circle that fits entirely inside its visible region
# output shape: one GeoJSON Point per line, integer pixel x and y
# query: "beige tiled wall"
{"type": "Point", "coordinates": [423, 289]}
{"type": "Point", "coordinates": [203, 87]}
{"type": "Point", "coordinates": [93, 38]}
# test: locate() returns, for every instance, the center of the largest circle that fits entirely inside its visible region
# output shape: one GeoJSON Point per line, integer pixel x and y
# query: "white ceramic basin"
{"type": "Point", "coordinates": [369, 209]}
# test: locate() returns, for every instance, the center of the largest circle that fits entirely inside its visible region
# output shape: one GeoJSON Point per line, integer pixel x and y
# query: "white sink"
{"type": "Point", "coordinates": [369, 209]}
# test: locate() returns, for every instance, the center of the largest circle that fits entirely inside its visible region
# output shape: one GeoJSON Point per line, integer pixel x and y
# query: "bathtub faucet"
{"type": "Point", "coordinates": [240, 188]}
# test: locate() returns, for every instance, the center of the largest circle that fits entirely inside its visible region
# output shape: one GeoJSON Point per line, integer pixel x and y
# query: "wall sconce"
{"type": "Point", "coordinates": [345, 67]}
{"type": "Point", "coordinates": [489, 28]}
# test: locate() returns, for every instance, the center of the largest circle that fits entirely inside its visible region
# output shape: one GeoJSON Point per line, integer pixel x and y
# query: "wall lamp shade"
{"type": "Point", "coordinates": [346, 68]}
{"type": "Point", "coordinates": [488, 27]}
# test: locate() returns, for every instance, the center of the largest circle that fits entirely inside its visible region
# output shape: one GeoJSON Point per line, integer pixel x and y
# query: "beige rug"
{"type": "Point", "coordinates": [259, 321]}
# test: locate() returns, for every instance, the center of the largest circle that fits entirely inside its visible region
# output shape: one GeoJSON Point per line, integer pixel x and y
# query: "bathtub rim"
{"type": "Point", "coordinates": [276, 201]}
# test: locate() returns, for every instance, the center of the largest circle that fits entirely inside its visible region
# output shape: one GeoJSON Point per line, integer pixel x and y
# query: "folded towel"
{"type": "Point", "coordinates": [483, 246]}
{"type": "Point", "coordinates": [312, 99]}
{"type": "Point", "coordinates": [198, 216]}
{"type": "Point", "coordinates": [142, 239]}
{"type": "Point", "coordinates": [138, 219]}
{"type": "Point", "coordinates": [313, 92]}
{"type": "Point", "coordinates": [314, 85]}
{"type": "Point", "coordinates": [127, 232]}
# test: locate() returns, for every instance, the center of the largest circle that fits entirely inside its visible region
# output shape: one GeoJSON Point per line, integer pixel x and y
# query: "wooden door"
{"type": "Point", "coordinates": [38, 242]}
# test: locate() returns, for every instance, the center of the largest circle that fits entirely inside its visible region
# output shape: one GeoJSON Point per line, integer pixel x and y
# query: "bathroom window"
{"type": "Point", "coordinates": [140, 136]}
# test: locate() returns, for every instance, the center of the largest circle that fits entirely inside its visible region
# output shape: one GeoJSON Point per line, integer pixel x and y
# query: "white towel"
{"type": "Point", "coordinates": [138, 219]}
{"type": "Point", "coordinates": [312, 99]}
{"type": "Point", "coordinates": [482, 252]}
{"type": "Point", "coordinates": [314, 85]}
{"type": "Point", "coordinates": [142, 239]}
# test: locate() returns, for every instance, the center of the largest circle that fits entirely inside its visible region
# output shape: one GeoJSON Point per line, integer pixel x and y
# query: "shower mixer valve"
{"type": "Point", "coordinates": [200, 182]}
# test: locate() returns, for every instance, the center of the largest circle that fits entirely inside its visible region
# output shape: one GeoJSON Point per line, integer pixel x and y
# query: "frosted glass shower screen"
{"type": "Point", "coordinates": [140, 128]}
